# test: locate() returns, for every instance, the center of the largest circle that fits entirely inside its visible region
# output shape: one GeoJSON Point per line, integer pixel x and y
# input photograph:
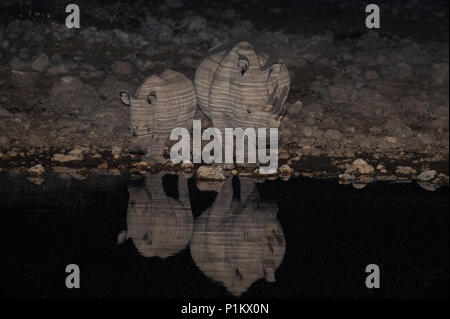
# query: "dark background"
{"type": "Point", "coordinates": [422, 20]}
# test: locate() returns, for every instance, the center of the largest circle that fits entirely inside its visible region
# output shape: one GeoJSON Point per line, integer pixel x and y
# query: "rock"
{"type": "Point", "coordinates": [363, 167]}
{"type": "Point", "coordinates": [77, 153]}
{"type": "Point", "coordinates": [116, 150]}
{"type": "Point", "coordinates": [112, 86]}
{"type": "Point", "coordinates": [59, 69]}
{"type": "Point", "coordinates": [391, 139]}
{"type": "Point", "coordinates": [405, 170]}
{"type": "Point", "coordinates": [5, 113]}
{"type": "Point", "coordinates": [339, 95]}
{"type": "Point", "coordinates": [121, 36]}
{"type": "Point", "coordinates": [427, 176]}
{"type": "Point", "coordinates": [148, 64]}
{"type": "Point", "coordinates": [295, 109]}
{"type": "Point", "coordinates": [23, 79]}
{"type": "Point", "coordinates": [410, 105]}
{"type": "Point", "coordinates": [63, 158]}
{"type": "Point", "coordinates": [381, 169]}
{"type": "Point", "coordinates": [37, 170]}
{"type": "Point", "coordinates": [440, 73]}
{"type": "Point", "coordinates": [34, 141]}
{"type": "Point", "coordinates": [214, 173]}
{"type": "Point", "coordinates": [122, 68]}
{"type": "Point", "coordinates": [346, 177]}
{"type": "Point", "coordinates": [18, 64]}
{"type": "Point", "coordinates": [4, 140]}
{"type": "Point", "coordinates": [333, 135]}
{"type": "Point", "coordinates": [371, 75]}
{"type": "Point", "coordinates": [285, 172]}
{"type": "Point", "coordinates": [40, 63]}
{"type": "Point", "coordinates": [66, 84]}
{"type": "Point", "coordinates": [103, 166]}
{"type": "Point", "coordinates": [194, 23]}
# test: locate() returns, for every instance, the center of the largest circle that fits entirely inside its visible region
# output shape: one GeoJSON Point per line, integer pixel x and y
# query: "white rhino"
{"type": "Point", "coordinates": [157, 224]}
{"type": "Point", "coordinates": [237, 242]}
{"type": "Point", "coordinates": [238, 85]}
{"type": "Point", "coordinates": [162, 103]}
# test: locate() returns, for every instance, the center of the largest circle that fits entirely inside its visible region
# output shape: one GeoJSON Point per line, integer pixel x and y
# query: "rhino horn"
{"type": "Point", "coordinates": [279, 108]}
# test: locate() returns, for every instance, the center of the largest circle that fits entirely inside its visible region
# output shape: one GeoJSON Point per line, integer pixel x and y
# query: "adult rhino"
{"type": "Point", "coordinates": [157, 224]}
{"type": "Point", "coordinates": [238, 241]}
{"type": "Point", "coordinates": [239, 85]}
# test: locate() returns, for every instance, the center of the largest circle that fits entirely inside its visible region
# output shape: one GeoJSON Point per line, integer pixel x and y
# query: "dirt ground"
{"type": "Point", "coordinates": [374, 103]}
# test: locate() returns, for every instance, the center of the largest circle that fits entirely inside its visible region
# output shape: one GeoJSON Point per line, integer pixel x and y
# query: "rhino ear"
{"type": "Point", "coordinates": [125, 98]}
{"type": "Point", "coordinates": [151, 98]}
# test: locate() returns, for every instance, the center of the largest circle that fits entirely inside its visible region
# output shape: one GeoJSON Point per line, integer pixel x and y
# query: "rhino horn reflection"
{"type": "Point", "coordinates": [237, 242]}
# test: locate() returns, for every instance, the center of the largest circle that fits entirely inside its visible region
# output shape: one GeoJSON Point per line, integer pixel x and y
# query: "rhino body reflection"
{"type": "Point", "coordinates": [238, 241]}
{"type": "Point", "coordinates": [157, 224]}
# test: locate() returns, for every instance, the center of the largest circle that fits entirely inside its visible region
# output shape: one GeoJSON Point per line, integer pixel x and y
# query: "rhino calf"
{"type": "Point", "coordinates": [160, 104]}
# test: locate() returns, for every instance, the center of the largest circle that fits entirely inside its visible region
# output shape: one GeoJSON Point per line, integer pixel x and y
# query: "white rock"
{"type": "Point", "coordinates": [37, 170]}
{"type": "Point", "coordinates": [40, 63]}
{"type": "Point", "coordinates": [285, 172]}
{"type": "Point", "coordinates": [363, 167]}
{"type": "Point", "coordinates": [63, 158]}
{"type": "Point", "coordinates": [210, 173]}
{"type": "Point", "coordinates": [405, 170]}
{"type": "Point", "coordinates": [427, 176]}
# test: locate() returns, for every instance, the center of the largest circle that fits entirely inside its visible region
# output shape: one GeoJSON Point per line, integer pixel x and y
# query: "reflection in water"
{"type": "Point", "coordinates": [238, 241]}
{"type": "Point", "coordinates": [158, 224]}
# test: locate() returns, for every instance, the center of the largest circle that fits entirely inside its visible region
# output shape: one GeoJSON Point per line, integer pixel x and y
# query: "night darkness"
{"type": "Point", "coordinates": [89, 96]}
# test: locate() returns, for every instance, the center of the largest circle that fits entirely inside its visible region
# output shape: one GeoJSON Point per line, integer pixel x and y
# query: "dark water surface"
{"type": "Point", "coordinates": [164, 238]}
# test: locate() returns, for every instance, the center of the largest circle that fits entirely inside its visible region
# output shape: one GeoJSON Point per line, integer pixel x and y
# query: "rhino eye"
{"type": "Point", "coordinates": [151, 98]}
{"type": "Point", "coordinates": [243, 64]}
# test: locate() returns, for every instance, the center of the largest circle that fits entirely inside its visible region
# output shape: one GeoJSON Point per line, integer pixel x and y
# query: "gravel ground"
{"type": "Point", "coordinates": [374, 104]}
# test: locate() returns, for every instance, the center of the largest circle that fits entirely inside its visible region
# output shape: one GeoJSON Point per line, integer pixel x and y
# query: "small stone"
{"type": "Point", "coordinates": [333, 134]}
{"type": "Point", "coordinates": [121, 68]}
{"type": "Point", "coordinates": [116, 150]}
{"type": "Point", "coordinates": [405, 170]}
{"type": "Point", "coordinates": [103, 166]}
{"type": "Point", "coordinates": [66, 84]}
{"type": "Point", "coordinates": [40, 63]}
{"type": "Point", "coordinates": [37, 170]}
{"type": "Point", "coordinates": [381, 169]}
{"type": "Point", "coordinates": [77, 153]}
{"type": "Point", "coordinates": [63, 158]}
{"type": "Point", "coordinates": [4, 140]}
{"type": "Point", "coordinates": [440, 73]}
{"type": "Point", "coordinates": [371, 75]}
{"type": "Point", "coordinates": [210, 173]}
{"type": "Point", "coordinates": [23, 79]}
{"type": "Point", "coordinates": [285, 172]}
{"type": "Point", "coordinates": [339, 95]}
{"type": "Point", "coordinates": [427, 176]}
{"type": "Point", "coordinates": [363, 167]}
{"type": "Point", "coordinates": [346, 177]}
{"type": "Point", "coordinates": [391, 139]}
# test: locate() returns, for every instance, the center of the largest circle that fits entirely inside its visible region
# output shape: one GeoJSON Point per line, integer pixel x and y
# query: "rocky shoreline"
{"type": "Point", "coordinates": [373, 107]}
